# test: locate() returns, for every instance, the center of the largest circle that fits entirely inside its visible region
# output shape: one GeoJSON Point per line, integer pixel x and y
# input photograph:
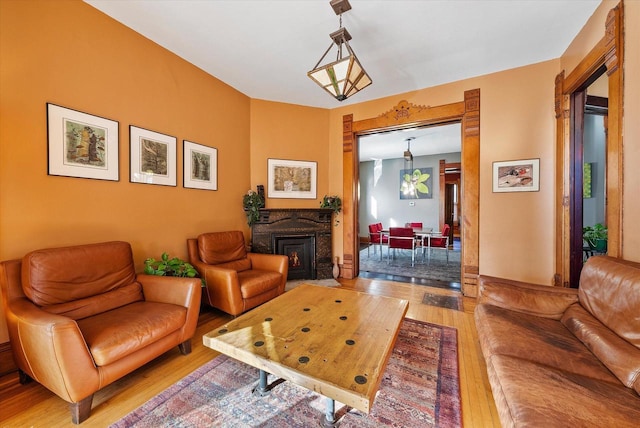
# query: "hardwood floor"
{"type": "Point", "coordinates": [32, 405]}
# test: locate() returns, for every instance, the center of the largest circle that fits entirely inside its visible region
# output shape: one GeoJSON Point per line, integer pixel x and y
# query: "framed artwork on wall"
{"type": "Point", "coordinates": [416, 183]}
{"type": "Point", "coordinates": [200, 169]}
{"type": "Point", "coordinates": [292, 179]}
{"type": "Point", "coordinates": [153, 157]}
{"type": "Point", "coordinates": [81, 145]}
{"type": "Point", "coordinates": [516, 176]}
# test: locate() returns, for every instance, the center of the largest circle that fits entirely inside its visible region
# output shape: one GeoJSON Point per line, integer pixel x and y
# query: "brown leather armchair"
{"type": "Point", "coordinates": [236, 280]}
{"type": "Point", "coordinates": [80, 318]}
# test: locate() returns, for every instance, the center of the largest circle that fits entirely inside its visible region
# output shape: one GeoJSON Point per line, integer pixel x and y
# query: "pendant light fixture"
{"type": "Point", "coordinates": [345, 76]}
{"type": "Point", "coordinates": [408, 156]}
{"type": "Point", "coordinates": [408, 186]}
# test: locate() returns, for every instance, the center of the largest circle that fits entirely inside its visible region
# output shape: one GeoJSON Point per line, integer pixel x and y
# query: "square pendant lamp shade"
{"type": "Point", "coordinates": [345, 76]}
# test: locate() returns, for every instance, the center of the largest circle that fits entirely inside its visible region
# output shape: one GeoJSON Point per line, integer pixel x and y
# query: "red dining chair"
{"type": "Point", "coordinates": [441, 241]}
{"type": "Point", "coordinates": [376, 238]}
{"type": "Point", "coordinates": [402, 238]}
{"type": "Point", "coordinates": [414, 225]}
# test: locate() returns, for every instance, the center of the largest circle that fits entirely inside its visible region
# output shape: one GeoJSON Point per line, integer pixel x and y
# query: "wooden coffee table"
{"type": "Point", "coordinates": [332, 341]}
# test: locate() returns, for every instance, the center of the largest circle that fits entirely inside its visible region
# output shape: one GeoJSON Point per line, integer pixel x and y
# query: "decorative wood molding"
{"type": "Point", "coordinates": [7, 365]}
{"type": "Point", "coordinates": [608, 53]}
{"type": "Point", "coordinates": [404, 115]}
{"type": "Point", "coordinates": [403, 111]}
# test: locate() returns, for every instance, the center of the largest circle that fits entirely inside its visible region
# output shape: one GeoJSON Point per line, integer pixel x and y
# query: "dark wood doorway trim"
{"type": "Point", "coordinates": [406, 115]}
{"type": "Point", "coordinates": [607, 53]}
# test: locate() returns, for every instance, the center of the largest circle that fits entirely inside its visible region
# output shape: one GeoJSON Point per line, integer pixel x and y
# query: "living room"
{"type": "Point", "coordinates": [69, 53]}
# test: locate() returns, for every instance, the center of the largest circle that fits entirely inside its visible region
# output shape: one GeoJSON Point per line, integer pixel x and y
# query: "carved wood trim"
{"type": "Point", "coordinates": [608, 52]}
{"type": "Point", "coordinates": [405, 115]}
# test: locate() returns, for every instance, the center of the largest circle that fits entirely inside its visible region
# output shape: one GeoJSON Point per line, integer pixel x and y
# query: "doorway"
{"type": "Point", "coordinates": [407, 115]}
{"type": "Point", "coordinates": [383, 198]}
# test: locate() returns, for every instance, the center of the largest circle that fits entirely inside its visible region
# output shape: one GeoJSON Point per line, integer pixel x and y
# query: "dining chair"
{"type": "Point", "coordinates": [402, 238]}
{"type": "Point", "coordinates": [375, 238]}
{"type": "Point", "coordinates": [441, 241]}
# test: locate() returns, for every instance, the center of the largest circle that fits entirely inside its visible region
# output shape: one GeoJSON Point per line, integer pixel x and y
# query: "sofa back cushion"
{"type": "Point", "coordinates": [610, 291]}
{"type": "Point", "coordinates": [77, 279]}
{"type": "Point", "coordinates": [224, 247]}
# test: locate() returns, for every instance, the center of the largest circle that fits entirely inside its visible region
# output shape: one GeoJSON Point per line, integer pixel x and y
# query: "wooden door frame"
{"type": "Point", "coordinates": [406, 115]}
{"type": "Point", "coordinates": [607, 53]}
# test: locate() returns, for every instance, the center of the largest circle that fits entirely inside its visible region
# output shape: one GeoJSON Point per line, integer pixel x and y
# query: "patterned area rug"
{"type": "Point", "coordinates": [432, 268]}
{"type": "Point", "coordinates": [420, 388]}
{"type": "Point", "coordinates": [291, 284]}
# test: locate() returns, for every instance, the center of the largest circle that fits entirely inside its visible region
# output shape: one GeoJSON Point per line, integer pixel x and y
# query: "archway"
{"type": "Point", "coordinates": [406, 115]}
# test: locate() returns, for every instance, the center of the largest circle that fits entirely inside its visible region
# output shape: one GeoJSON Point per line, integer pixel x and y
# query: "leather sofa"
{"type": "Point", "coordinates": [559, 357]}
{"type": "Point", "coordinates": [236, 280]}
{"type": "Point", "coordinates": [80, 318]}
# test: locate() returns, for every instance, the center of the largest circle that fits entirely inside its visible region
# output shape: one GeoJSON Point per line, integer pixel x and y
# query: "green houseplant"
{"type": "Point", "coordinates": [333, 202]}
{"type": "Point", "coordinates": [596, 237]}
{"type": "Point", "coordinates": [252, 202]}
{"type": "Point", "coordinates": [169, 267]}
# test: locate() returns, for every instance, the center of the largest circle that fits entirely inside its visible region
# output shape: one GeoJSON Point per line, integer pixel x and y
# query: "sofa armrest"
{"type": "Point", "coordinates": [50, 348]}
{"type": "Point", "coordinates": [167, 289]}
{"type": "Point", "coordinates": [270, 262]}
{"type": "Point", "coordinates": [533, 299]}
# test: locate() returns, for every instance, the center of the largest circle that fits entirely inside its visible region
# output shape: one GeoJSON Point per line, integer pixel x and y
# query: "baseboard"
{"type": "Point", "coordinates": [7, 365]}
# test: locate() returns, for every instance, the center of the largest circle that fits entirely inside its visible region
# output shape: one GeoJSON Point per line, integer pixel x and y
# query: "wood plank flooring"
{"type": "Point", "coordinates": [32, 405]}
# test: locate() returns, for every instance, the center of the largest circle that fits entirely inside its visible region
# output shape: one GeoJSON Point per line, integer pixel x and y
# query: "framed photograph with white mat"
{"type": "Point", "coordinates": [153, 157]}
{"type": "Point", "coordinates": [200, 166]}
{"type": "Point", "coordinates": [516, 176]}
{"type": "Point", "coordinates": [292, 179]}
{"type": "Point", "coordinates": [81, 145]}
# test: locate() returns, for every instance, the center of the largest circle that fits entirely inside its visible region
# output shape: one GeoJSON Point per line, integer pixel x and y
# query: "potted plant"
{"type": "Point", "coordinates": [169, 267]}
{"type": "Point", "coordinates": [252, 202]}
{"type": "Point", "coordinates": [596, 237]}
{"type": "Point", "coordinates": [333, 202]}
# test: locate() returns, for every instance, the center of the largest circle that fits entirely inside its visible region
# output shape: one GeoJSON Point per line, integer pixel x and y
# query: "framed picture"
{"type": "Point", "coordinates": [81, 145]}
{"type": "Point", "coordinates": [292, 179]}
{"type": "Point", "coordinates": [416, 183]}
{"type": "Point", "coordinates": [153, 157]}
{"type": "Point", "coordinates": [200, 166]}
{"type": "Point", "coordinates": [516, 176]}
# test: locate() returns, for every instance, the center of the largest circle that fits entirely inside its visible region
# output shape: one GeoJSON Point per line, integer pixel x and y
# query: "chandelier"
{"type": "Point", "coordinates": [345, 76]}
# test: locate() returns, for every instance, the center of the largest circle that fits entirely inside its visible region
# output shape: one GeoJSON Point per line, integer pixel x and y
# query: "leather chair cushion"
{"type": "Point", "coordinates": [541, 340]}
{"type": "Point", "coordinates": [609, 291]}
{"type": "Point", "coordinates": [59, 275]}
{"type": "Point", "coordinates": [89, 306]}
{"type": "Point", "coordinates": [621, 357]}
{"type": "Point", "coordinates": [115, 334]}
{"type": "Point", "coordinates": [221, 247]}
{"type": "Point", "coordinates": [255, 282]}
{"type": "Point", "coordinates": [537, 395]}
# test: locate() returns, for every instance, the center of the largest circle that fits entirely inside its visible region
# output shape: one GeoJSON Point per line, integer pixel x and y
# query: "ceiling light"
{"type": "Point", "coordinates": [345, 76]}
{"type": "Point", "coordinates": [408, 156]}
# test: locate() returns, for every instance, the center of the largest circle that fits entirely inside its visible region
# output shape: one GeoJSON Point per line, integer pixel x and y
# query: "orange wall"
{"type": "Point", "coordinates": [68, 53]}
{"type": "Point", "coordinates": [289, 131]}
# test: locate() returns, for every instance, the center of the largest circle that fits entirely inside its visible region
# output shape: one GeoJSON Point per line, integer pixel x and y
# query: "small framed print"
{"type": "Point", "coordinates": [200, 166]}
{"type": "Point", "coordinates": [81, 145]}
{"type": "Point", "coordinates": [516, 176]}
{"type": "Point", "coordinates": [292, 179]}
{"type": "Point", "coordinates": [153, 157]}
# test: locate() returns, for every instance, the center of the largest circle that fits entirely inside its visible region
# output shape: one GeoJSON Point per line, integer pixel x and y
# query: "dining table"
{"type": "Point", "coordinates": [423, 233]}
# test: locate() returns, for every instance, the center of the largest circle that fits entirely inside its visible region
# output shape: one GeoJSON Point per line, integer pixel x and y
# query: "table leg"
{"type": "Point", "coordinates": [262, 389]}
{"type": "Point", "coordinates": [329, 417]}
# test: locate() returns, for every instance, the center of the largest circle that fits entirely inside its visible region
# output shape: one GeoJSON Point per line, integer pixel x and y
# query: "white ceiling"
{"type": "Point", "coordinates": [264, 48]}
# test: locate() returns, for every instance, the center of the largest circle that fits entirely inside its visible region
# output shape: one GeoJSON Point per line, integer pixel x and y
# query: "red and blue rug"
{"type": "Point", "coordinates": [420, 388]}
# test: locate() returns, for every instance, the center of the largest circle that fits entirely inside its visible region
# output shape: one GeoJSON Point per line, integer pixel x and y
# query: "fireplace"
{"type": "Point", "coordinates": [303, 235]}
{"type": "Point", "coordinates": [300, 249]}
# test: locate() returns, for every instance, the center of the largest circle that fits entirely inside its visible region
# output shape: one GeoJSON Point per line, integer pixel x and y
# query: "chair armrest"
{"type": "Point", "coordinates": [534, 299]}
{"type": "Point", "coordinates": [270, 262]}
{"type": "Point", "coordinates": [176, 290]}
{"type": "Point", "coordinates": [50, 348]}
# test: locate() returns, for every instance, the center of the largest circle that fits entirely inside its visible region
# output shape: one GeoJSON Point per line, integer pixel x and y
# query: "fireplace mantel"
{"type": "Point", "coordinates": [311, 224]}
